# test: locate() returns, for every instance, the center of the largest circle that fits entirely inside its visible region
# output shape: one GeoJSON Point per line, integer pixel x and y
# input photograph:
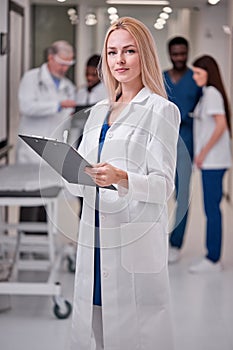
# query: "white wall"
{"type": "Point", "coordinates": [3, 72]}
{"type": "Point", "coordinates": [4, 58]}
{"type": "Point", "coordinates": [210, 37]}
{"type": "Point", "coordinates": [85, 42]}
{"type": "Point", "coordinates": [27, 32]}
{"type": "Point", "coordinates": [25, 4]}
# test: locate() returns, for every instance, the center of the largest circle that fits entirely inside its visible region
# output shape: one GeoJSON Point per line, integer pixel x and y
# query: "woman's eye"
{"type": "Point", "coordinates": [110, 53]}
{"type": "Point", "coordinates": [130, 51]}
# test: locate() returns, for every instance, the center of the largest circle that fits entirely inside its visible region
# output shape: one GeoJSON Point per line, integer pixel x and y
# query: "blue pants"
{"type": "Point", "coordinates": [212, 195]}
{"type": "Point", "coordinates": [182, 181]}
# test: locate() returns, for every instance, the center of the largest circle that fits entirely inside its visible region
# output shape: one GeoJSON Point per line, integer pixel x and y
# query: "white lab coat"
{"type": "Point", "coordinates": [97, 93]}
{"type": "Point", "coordinates": [84, 98]}
{"type": "Point", "coordinates": [38, 104]}
{"type": "Point", "coordinates": [133, 228]}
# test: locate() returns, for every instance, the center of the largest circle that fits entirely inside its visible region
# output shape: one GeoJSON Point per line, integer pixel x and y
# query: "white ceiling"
{"type": "Point", "coordinates": [102, 3]}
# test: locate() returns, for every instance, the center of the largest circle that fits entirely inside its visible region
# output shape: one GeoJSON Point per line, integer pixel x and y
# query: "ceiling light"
{"type": "Point", "coordinates": [213, 2]}
{"type": "Point", "coordinates": [167, 9]}
{"type": "Point", "coordinates": [71, 11]}
{"type": "Point", "coordinates": [73, 17]}
{"type": "Point", "coordinates": [158, 26]}
{"type": "Point", "coordinates": [90, 19]}
{"type": "Point", "coordinates": [161, 21]}
{"type": "Point", "coordinates": [138, 2]}
{"type": "Point", "coordinates": [112, 10]}
{"type": "Point", "coordinates": [164, 15]}
{"type": "Point", "coordinates": [114, 17]}
{"type": "Point", "coordinates": [61, 0]}
{"type": "Point", "coordinates": [226, 29]}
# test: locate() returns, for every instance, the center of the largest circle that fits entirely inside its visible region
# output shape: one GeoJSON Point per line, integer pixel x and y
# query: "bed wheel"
{"type": "Point", "coordinates": [62, 311]}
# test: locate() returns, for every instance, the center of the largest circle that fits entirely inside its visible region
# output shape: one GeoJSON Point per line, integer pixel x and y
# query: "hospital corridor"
{"type": "Point", "coordinates": [202, 304]}
{"type": "Point", "coordinates": [50, 59]}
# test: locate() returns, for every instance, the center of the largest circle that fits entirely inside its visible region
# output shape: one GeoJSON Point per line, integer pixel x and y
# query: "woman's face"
{"type": "Point", "coordinates": [200, 76]}
{"type": "Point", "coordinates": [123, 57]}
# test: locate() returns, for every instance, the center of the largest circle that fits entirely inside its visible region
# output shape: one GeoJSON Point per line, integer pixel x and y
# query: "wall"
{"type": "Point", "coordinates": [4, 58]}
{"type": "Point", "coordinates": [209, 35]}
{"type": "Point", "coordinates": [85, 42]}
{"type": "Point", "coordinates": [27, 32]}
{"type": "Point", "coordinates": [3, 74]}
{"type": "Point", "coordinates": [47, 28]}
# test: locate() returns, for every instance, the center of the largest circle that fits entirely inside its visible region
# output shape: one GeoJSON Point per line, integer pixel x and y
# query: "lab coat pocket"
{"type": "Point", "coordinates": [143, 247]}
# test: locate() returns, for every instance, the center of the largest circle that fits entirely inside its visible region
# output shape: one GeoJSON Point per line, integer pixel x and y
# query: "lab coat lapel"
{"type": "Point", "coordinates": [47, 79]}
{"type": "Point", "coordinates": [132, 115]}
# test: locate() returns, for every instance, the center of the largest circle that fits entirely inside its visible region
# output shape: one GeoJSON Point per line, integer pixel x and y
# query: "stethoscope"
{"type": "Point", "coordinates": [43, 86]}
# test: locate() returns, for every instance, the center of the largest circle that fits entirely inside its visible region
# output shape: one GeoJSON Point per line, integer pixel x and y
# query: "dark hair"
{"type": "Point", "coordinates": [178, 40]}
{"type": "Point", "coordinates": [93, 61]}
{"type": "Point", "coordinates": [209, 64]}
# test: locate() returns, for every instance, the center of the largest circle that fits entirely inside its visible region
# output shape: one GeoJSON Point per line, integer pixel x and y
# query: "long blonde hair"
{"type": "Point", "coordinates": [150, 68]}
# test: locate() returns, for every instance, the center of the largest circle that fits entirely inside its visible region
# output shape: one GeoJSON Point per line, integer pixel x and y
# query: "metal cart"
{"type": "Point", "coordinates": [30, 185]}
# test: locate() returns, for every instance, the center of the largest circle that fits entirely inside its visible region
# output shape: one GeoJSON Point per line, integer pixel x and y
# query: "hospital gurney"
{"type": "Point", "coordinates": [31, 185]}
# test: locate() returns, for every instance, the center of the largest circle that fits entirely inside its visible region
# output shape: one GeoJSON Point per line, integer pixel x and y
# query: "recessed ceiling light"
{"type": "Point", "coordinates": [138, 2]}
{"type": "Point", "coordinates": [112, 10]}
{"type": "Point", "coordinates": [213, 2]}
{"type": "Point", "coordinates": [90, 19]}
{"type": "Point", "coordinates": [161, 21]}
{"type": "Point", "coordinates": [71, 11]}
{"type": "Point", "coordinates": [113, 17]}
{"type": "Point", "coordinates": [164, 15]}
{"type": "Point", "coordinates": [158, 26]}
{"type": "Point", "coordinates": [167, 9]}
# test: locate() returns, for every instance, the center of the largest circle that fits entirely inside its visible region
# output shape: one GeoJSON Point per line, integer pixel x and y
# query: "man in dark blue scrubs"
{"type": "Point", "coordinates": [183, 91]}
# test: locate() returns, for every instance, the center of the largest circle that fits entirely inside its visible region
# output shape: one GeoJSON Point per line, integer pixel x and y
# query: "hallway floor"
{"type": "Point", "coordinates": [202, 303]}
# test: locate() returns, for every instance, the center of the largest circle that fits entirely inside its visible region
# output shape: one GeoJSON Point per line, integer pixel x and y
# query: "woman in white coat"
{"type": "Point", "coordinates": [121, 296]}
{"type": "Point", "coordinates": [94, 90]}
{"type": "Point", "coordinates": [212, 128]}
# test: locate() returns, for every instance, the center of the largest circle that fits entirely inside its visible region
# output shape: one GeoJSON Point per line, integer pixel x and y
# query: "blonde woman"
{"type": "Point", "coordinates": [121, 296]}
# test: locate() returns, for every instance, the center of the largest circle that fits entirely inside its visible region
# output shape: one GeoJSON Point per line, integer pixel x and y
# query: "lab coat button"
{"type": "Point", "coordinates": [105, 274]}
{"type": "Point", "coordinates": [102, 217]}
{"type": "Point", "coordinates": [110, 135]}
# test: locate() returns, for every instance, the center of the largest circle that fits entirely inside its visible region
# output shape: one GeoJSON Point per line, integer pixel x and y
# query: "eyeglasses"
{"type": "Point", "coordinates": [63, 62]}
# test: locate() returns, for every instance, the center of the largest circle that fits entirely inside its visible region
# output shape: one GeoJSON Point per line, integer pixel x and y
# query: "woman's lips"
{"type": "Point", "coordinates": [121, 70]}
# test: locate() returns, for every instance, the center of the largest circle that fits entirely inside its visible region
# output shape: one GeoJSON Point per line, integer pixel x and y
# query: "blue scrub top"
{"type": "Point", "coordinates": [185, 94]}
{"type": "Point", "coordinates": [97, 273]}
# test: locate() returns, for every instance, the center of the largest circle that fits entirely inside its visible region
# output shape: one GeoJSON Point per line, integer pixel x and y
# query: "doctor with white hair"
{"type": "Point", "coordinates": [46, 99]}
{"type": "Point", "coordinates": [46, 102]}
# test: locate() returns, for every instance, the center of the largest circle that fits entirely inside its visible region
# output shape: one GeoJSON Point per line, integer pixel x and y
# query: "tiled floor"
{"type": "Point", "coordinates": [202, 304]}
{"type": "Point", "coordinates": [31, 325]}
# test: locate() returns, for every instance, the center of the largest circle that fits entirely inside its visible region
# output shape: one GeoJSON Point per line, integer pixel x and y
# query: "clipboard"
{"type": "Point", "coordinates": [84, 108]}
{"type": "Point", "coordinates": [63, 158]}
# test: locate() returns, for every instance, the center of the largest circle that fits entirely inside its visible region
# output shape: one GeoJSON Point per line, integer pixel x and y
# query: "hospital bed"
{"type": "Point", "coordinates": [30, 185]}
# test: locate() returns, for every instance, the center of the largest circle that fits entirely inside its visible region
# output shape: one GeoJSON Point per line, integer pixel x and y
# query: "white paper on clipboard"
{"type": "Point", "coordinates": [63, 158]}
